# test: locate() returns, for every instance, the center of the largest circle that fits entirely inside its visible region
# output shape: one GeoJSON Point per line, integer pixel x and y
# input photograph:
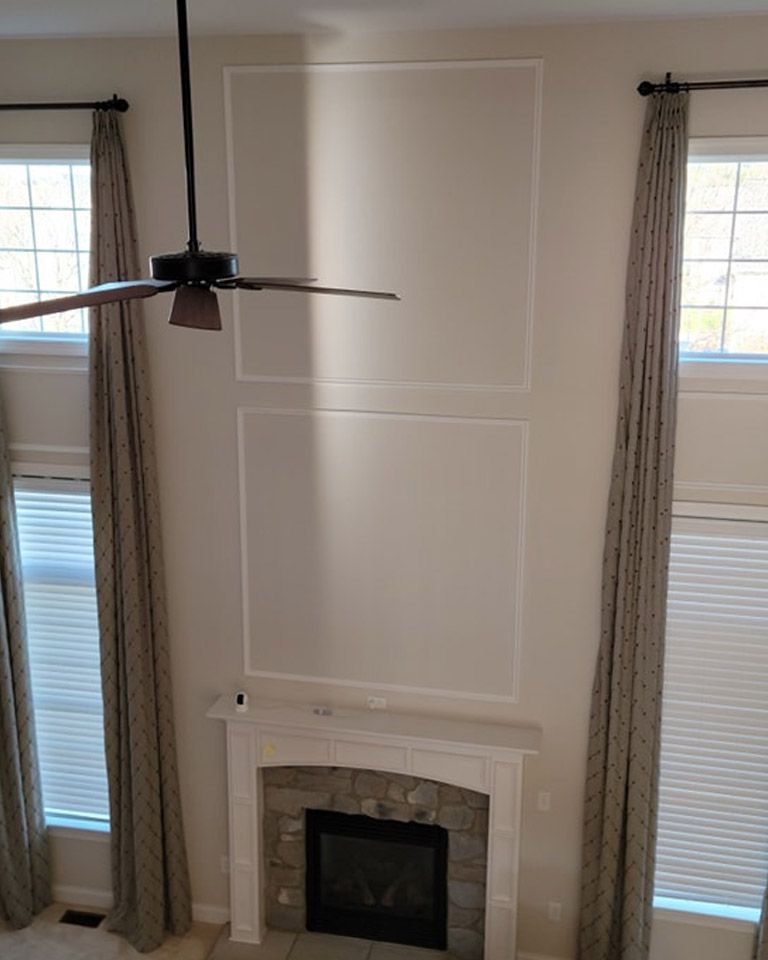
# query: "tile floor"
{"type": "Point", "coordinates": [47, 939]}
{"type": "Point", "coordinates": [279, 945]}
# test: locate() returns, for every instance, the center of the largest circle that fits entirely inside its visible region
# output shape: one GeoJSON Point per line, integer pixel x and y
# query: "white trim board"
{"type": "Point", "coordinates": [102, 900]}
{"type": "Point", "coordinates": [538, 956]}
{"type": "Point", "coordinates": [537, 65]}
{"type": "Point", "coordinates": [517, 585]}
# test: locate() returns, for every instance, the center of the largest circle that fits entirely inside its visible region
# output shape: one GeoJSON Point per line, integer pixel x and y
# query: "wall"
{"type": "Point", "coordinates": [590, 136]}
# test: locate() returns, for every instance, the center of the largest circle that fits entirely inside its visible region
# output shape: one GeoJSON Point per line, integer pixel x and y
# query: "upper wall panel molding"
{"type": "Point", "coordinates": [417, 177]}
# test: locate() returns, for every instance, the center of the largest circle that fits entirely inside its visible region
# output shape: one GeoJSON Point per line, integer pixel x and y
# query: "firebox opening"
{"type": "Point", "coordinates": [376, 879]}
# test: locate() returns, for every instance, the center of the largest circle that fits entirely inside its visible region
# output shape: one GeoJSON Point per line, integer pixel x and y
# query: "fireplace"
{"type": "Point", "coordinates": [464, 776]}
{"type": "Point", "coordinates": [377, 879]}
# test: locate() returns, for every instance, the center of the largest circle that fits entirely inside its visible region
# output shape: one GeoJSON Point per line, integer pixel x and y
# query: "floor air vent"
{"type": "Point", "coordinates": [81, 918]}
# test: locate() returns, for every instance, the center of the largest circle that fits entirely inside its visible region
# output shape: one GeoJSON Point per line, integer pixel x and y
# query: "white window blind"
{"type": "Point", "coordinates": [56, 541]}
{"type": "Point", "coordinates": [712, 850]}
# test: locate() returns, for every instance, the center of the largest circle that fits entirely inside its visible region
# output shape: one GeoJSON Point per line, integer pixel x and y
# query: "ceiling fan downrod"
{"type": "Point", "coordinates": [193, 243]}
{"type": "Point", "coordinates": [193, 265]}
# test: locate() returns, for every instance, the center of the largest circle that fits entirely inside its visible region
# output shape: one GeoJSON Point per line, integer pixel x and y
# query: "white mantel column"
{"type": "Point", "coordinates": [246, 901]}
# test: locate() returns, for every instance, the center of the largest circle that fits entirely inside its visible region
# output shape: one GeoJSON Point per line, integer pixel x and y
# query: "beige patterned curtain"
{"type": "Point", "coordinates": [624, 735]}
{"type": "Point", "coordinates": [149, 866]}
{"type": "Point", "coordinates": [24, 873]}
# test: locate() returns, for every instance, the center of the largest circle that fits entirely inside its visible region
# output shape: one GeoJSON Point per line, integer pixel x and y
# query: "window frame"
{"type": "Point", "coordinates": [78, 476]}
{"type": "Point", "coordinates": [733, 373]}
{"type": "Point", "coordinates": [665, 908]}
{"type": "Point", "coordinates": [71, 351]}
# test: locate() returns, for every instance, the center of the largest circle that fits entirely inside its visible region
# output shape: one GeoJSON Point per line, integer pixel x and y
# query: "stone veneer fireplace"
{"type": "Point", "coordinates": [290, 791]}
{"type": "Point", "coordinates": [475, 757]}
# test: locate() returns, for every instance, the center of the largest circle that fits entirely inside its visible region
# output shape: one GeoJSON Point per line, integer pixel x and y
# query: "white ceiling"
{"type": "Point", "coordinates": [45, 18]}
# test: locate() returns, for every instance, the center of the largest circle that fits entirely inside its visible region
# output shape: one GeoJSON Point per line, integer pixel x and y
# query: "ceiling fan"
{"type": "Point", "coordinates": [194, 274]}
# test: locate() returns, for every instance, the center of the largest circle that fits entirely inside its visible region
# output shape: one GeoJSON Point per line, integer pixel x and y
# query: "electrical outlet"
{"type": "Point", "coordinates": [544, 800]}
{"type": "Point", "coordinates": [224, 864]}
{"type": "Point", "coordinates": [377, 703]}
{"type": "Point", "coordinates": [554, 911]}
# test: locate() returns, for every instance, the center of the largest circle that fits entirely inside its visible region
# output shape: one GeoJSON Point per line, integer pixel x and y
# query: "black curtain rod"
{"type": "Point", "coordinates": [669, 85]}
{"type": "Point", "coordinates": [116, 103]}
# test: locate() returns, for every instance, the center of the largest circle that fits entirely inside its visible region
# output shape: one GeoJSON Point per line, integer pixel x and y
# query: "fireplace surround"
{"type": "Point", "coordinates": [487, 758]}
{"type": "Point", "coordinates": [292, 795]}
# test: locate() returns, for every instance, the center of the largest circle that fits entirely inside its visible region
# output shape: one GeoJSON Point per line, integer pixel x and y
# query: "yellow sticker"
{"type": "Point", "coordinates": [269, 750]}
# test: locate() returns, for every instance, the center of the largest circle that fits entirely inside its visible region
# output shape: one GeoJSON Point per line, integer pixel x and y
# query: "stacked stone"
{"type": "Point", "coordinates": [289, 791]}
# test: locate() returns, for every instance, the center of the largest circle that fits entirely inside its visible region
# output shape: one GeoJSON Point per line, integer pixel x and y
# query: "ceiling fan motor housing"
{"type": "Point", "coordinates": [194, 266]}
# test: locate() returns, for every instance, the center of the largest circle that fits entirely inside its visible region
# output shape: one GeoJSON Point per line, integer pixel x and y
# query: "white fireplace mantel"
{"type": "Point", "coordinates": [486, 757]}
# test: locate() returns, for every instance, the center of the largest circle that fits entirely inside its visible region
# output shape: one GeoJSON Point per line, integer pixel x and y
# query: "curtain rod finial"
{"type": "Point", "coordinates": [116, 103]}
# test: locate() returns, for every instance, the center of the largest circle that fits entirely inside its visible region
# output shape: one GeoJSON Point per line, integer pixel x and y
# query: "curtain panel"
{"type": "Point", "coordinates": [24, 865]}
{"type": "Point", "coordinates": [625, 724]}
{"type": "Point", "coordinates": [149, 866]}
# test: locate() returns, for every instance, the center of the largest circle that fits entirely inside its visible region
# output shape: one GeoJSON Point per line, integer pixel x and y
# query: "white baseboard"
{"type": "Point", "coordinates": [82, 896]}
{"type": "Point", "coordinates": [537, 956]}
{"type": "Point", "coordinates": [209, 913]}
{"type": "Point", "coordinates": [102, 900]}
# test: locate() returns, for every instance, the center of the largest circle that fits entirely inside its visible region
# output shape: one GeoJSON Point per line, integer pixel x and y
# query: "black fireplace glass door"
{"type": "Point", "coordinates": [377, 879]}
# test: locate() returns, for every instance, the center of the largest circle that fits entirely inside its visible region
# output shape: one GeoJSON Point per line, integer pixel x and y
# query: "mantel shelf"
{"type": "Point", "coordinates": [381, 723]}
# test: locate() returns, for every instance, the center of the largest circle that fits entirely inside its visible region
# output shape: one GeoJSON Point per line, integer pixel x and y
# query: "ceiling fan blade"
{"type": "Point", "coordinates": [195, 307]}
{"type": "Point", "coordinates": [237, 281]}
{"type": "Point", "coordinates": [270, 283]}
{"type": "Point", "coordinates": [95, 297]}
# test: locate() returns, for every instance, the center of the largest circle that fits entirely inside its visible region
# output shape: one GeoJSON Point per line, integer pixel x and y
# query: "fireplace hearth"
{"type": "Point", "coordinates": [377, 879]}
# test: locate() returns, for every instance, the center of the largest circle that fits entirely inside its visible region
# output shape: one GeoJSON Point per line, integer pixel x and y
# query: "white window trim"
{"type": "Point", "coordinates": [714, 916]}
{"type": "Point", "coordinates": [733, 374]}
{"type": "Point", "coordinates": [76, 474]}
{"type": "Point", "coordinates": [77, 829]}
{"type": "Point", "coordinates": [695, 918]}
{"type": "Point", "coordinates": [14, 347]}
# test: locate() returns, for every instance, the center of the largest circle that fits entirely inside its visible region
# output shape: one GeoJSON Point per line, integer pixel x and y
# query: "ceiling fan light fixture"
{"type": "Point", "coordinates": [196, 306]}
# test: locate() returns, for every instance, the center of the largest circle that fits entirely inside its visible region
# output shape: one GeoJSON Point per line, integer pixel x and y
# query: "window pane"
{"type": "Point", "coordinates": [708, 235]}
{"type": "Point", "coordinates": [32, 325]}
{"type": "Point", "coordinates": [58, 220]}
{"type": "Point", "coordinates": [17, 271]}
{"type": "Point", "coordinates": [51, 186]}
{"type": "Point", "coordinates": [713, 790]}
{"type": "Point", "coordinates": [16, 229]}
{"type": "Point", "coordinates": [749, 285]}
{"type": "Point", "coordinates": [56, 542]}
{"type": "Point", "coordinates": [14, 189]}
{"type": "Point", "coordinates": [746, 331]}
{"type": "Point", "coordinates": [753, 186]}
{"type": "Point", "coordinates": [704, 284]}
{"type": "Point", "coordinates": [701, 330]}
{"type": "Point", "coordinates": [750, 239]}
{"type": "Point", "coordinates": [58, 272]}
{"type": "Point", "coordinates": [711, 186]}
{"type": "Point", "coordinates": [69, 322]}
{"type": "Point", "coordinates": [81, 179]}
{"type": "Point", "coordinates": [55, 230]}
{"type": "Point", "coordinates": [83, 229]}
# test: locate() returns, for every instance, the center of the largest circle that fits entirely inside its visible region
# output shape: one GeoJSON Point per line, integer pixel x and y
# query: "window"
{"type": "Point", "coordinates": [56, 542]}
{"type": "Point", "coordinates": [712, 849]}
{"type": "Point", "coordinates": [45, 223]}
{"type": "Point", "coordinates": [724, 297]}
